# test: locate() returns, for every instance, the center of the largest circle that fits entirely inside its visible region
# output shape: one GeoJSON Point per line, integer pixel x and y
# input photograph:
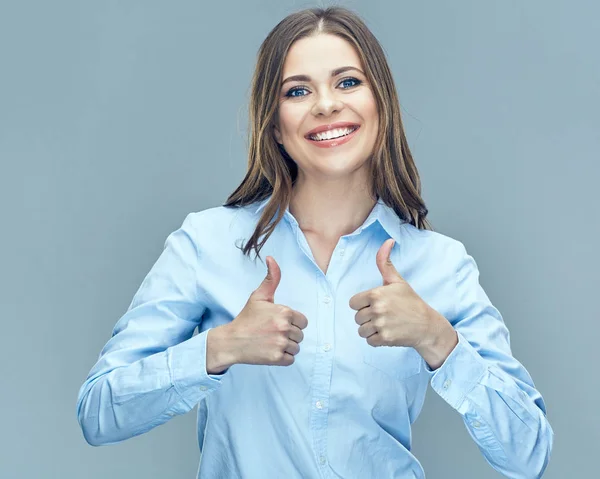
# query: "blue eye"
{"type": "Point", "coordinates": [358, 82]}
{"type": "Point", "coordinates": [353, 80]}
{"type": "Point", "coordinates": [293, 90]}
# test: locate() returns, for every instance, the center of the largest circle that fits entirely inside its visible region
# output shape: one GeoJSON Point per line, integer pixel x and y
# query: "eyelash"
{"type": "Point", "coordinates": [302, 87]}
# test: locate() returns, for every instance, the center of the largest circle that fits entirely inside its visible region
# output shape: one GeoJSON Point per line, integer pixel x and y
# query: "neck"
{"type": "Point", "coordinates": [330, 211]}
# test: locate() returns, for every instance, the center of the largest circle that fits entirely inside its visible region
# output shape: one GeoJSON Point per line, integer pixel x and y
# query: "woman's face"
{"type": "Point", "coordinates": [321, 99]}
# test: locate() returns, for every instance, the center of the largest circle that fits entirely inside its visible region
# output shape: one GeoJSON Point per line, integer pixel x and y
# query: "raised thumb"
{"type": "Point", "coordinates": [266, 290]}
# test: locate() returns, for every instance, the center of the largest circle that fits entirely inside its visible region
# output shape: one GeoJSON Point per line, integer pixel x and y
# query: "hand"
{"type": "Point", "coordinates": [264, 332]}
{"type": "Point", "coordinates": [393, 314]}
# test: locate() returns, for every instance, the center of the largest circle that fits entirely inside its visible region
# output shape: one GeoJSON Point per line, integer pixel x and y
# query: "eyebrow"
{"type": "Point", "coordinates": [334, 73]}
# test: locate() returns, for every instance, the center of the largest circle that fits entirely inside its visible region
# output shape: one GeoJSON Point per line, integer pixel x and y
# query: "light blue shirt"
{"type": "Point", "coordinates": [343, 409]}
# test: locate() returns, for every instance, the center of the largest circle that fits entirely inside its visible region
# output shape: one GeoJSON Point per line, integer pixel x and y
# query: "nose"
{"type": "Point", "coordinates": [326, 103]}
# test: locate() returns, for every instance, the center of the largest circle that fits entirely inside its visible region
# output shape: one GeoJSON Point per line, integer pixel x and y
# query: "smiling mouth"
{"type": "Point", "coordinates": [333, 134]}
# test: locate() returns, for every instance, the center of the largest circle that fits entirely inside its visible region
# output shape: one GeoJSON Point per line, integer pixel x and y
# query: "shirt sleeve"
{"type": "Point", "coordinates": [152, 368]}
{"type": "Point", "coordinates": [495, 395]}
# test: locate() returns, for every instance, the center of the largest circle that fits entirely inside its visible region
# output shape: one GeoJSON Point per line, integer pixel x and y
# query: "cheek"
{"type": "Point", "coordinates": [369, 108]}
{"type": "Point", "coordinates": [289, 119]}
{"type": "Point", "coordinates": [372, 116]}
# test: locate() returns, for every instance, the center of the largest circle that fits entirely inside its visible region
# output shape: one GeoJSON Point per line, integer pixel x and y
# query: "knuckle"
{"type": "Point", "coordinates": [284, 327]}
{"type": "Point", "coordinates": [378, 323]}
{"type": "Point", "coordinates": [374, 295]}
{"type": "Point", "coordinates": [384, 335]}
{"type": "Point", "coordinates": [277, 356]}
{"type": "Point", "coordinates": [376, 307]}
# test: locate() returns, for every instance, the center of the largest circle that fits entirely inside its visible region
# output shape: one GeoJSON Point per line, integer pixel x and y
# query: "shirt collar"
{"type": "Point", "coordinates": [381, 213]}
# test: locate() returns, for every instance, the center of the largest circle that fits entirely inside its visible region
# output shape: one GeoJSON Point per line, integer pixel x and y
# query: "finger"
{"type": "Point", "coordinates": [298, 319]}
{"type": "Point", "coordinates": [367, 329]}
{"type": "Point", "coordinates": [288, 360]}
{"type": "Point", "coordinates": [375, 340]}
{"type": "Point", "coordinates": [360, 300]}
{"type": "Point", "coordinates": [296, 334]}
{"type": "Point", "coordinates": [385, 265]}
{"type": "Point", "coordinates": [266, 289]}
{"type": "Point", "coordinates": [364, 315]}
{"type": "Point", "coordinates": [292, 348]}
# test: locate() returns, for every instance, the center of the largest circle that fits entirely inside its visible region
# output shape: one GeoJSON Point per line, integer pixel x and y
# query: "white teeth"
{"type": "Point", "coordinates": [330, 134]}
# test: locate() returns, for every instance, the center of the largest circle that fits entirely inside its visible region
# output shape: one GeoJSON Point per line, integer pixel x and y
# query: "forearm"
{"type": "Point", "coordinates": [439, 343]}
{"type": "Point", "coordinates": [506, 418]}
{"type": "Point", "coordinates": [125, 402]}
{"type": "Point", "coordinates": [130, 399]}
{"type": "Point", "coordinates": [510, 429]}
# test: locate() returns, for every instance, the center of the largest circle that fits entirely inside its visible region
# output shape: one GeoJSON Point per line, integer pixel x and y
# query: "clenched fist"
{"type": "Point", "coordinates": [264, 332]}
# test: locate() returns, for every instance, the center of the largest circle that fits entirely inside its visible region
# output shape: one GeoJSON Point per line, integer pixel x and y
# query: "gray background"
{"type": "Point", "coordinates": [119, 118]}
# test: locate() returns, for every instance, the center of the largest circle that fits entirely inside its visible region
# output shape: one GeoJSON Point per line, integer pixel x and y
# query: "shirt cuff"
{"type": "Point", "coordinates": [187, 366]}
{"type": "Point", "coordinates": [459, 373]}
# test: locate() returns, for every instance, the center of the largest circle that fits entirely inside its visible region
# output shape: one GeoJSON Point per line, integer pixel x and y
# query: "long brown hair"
{"type": "Point", "coordinates": [271, 171]}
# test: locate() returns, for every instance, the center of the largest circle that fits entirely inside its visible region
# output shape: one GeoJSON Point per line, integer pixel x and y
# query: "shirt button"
{"type": "Point", "coordinates": [341, 252]}
{"type": "Point", "coordinates": [322, 460]}
{"type": "Point", "coordinates": [476, 423]}
{"type": "Point", "coordinates": [327, 299]}
{"type": "Point", "coordinates": [447, 383]}
{"type": "Point", "coordinates": [326, 347]}
{"type": "Point", "coordinates": [203, 388]}
{"type": "Point", "coordinates": [319, 405]}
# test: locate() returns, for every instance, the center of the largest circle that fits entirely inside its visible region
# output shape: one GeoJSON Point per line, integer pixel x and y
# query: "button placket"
{"type": "Point", "coordinates": [322, 372]}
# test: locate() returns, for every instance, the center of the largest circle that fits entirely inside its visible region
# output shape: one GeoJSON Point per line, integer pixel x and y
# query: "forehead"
{"type": "Point", "coordinates": [319, 54]}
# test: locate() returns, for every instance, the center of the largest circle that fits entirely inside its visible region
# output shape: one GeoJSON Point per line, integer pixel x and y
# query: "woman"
{"type": "Point", "coordinates": [363, 304]}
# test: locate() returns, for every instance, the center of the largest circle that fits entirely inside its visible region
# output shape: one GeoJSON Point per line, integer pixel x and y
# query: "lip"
{"type": "Point", "coordinates": [335, 141]}
{"type": "Point", "coordinates": [331, 126]}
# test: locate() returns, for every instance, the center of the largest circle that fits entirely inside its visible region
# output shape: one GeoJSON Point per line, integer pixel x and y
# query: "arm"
{"type": "Point", "coordinates": [478, 376]}
{"type": "Point", "coordinates": [152, 368]}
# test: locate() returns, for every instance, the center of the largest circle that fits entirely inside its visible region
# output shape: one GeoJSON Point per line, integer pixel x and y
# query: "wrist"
{"type": "Point", "coordinates": [440, 343]}
{"type": "Point", "coordinates": [219, 353]}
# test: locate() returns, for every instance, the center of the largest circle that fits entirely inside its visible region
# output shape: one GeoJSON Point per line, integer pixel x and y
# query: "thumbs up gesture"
{"type": "Point", "coordinates": [394, 314]}
{"type": "Point", "coordinates": [265, 332]}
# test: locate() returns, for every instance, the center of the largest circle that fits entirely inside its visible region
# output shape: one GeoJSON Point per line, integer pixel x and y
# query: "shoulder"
{"type": "Point", "coordinates": [220, 217]}
{"type": "Point", "coordinates": [222, 225]}
{"type": "Point", "coordinates": [433, 251]}
{"type": "Point", "coordinates": [434, 242]}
